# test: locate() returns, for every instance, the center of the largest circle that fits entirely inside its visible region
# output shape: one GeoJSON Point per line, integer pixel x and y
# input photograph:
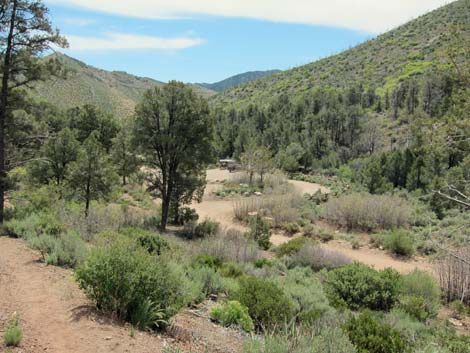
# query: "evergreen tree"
{"type": "Point", "coordinates": [123, 156]}
{"type": "Point", "coordinates": [25, 34]}
{"type": "Point", "coordinates": [173, 132]}
{"type": "Point", "coordinates": [60, 152]}
{"type": "Point", "coordinates": [92, 176]}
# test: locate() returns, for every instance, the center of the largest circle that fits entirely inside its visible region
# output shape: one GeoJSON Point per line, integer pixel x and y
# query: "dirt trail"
{"type": "Point", "coordinates": [222, 212]}
{"type": "Point", "coordinates": [55, 315]}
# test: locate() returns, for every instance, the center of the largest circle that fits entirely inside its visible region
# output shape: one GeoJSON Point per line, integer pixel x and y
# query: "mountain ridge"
{"type": "Point", "coordinates": [404, 51]}
{"type": "Point", "coordinates": [238, 79]}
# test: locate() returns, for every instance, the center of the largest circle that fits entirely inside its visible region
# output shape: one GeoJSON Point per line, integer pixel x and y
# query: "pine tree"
{"type": "Point", "coordinates": [173, 132]}
{"type": "Point", "coordinates": [92, 176]}
{"type": "Point", "coordinates": [25, 33]}
{"type": "Point", "coordinates": [123, 156]}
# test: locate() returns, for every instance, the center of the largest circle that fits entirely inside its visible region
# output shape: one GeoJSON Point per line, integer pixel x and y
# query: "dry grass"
{"type": "Point", "coordinates": [318, 258]}
{"type": "Point", "coordinates": [229, 246]}
{"type": "Point", "coordinates": [368, 212]}
{"type": "Point", "coordinates": [282, 208]}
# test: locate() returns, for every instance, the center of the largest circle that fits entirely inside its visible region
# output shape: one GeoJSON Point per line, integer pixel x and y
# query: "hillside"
{"type": "Point", "coordinates": [237, 80]}
{"type": "Point", "coordinates": [406, 51]}
{"type": "Point", "coordinates": [116, 92]}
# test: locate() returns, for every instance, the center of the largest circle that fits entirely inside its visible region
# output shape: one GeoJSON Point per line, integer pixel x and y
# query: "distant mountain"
{"type": "Point", "coordinates": [237, 80]}
{"type": "Point", "coordinates": [116, 92]}
{"type": "Point", "coordinates": [407, 51]}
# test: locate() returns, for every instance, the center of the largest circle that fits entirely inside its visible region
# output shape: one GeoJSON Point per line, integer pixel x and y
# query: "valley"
{"type": "Point", "coordinates": [316, 209]}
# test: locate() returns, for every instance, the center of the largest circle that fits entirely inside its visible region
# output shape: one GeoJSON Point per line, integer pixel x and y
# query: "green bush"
{"type": "Point", "coordinates": [207, 261]}
{"type": "Point", "coordinates": [325, 236]}
{"type": "Point", "coordinates": [293, 246]}
{"type": "Point", "coordinates": [35, 225]}
{"type": "Point", "coordinates": [66, 249]}
{"type": "Point", "coordinates": [232, 313]}
{"type": "Point", "coordinates": [70, 250]}
{"type": "Point", "coordinates": [231, 270]}
{"type": "Point", "coordinates": [358, 286]}
{"type": "Point", "coordinates": [291, 228]}
{"type": "Point", "coordinates": [371, 336]}
{"type": "Point", "coordinates": [421, 295]}
{"type": "Point", "coordinates": [154, 244]}
{"type": "Point", "coordinates": [400, 242]}
{"type": "Point", "coordinates": [206, 228]}
{"type": "Point", "coordinates": [205, 282]}
{"type": "Point", "coordinates": [459, 309]}
{"type": "Point", "coordinates": [260, 263]}
{"type": "Point", "coordinates": [260, 232]}
{"type": "Point", "coordinates": [201, 230]}
{"type": "Point", "coordinates": [305, 293]}
{"type": "Point", "coordinates": [121, 276]}
{"type": "Point", "coordinates": [267, 304]}
{"type": "Point", "coordinates": [13, 334]}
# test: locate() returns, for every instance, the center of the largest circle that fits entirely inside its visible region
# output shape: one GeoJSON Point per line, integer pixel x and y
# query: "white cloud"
{"type": "Point", "coordinates": [367, 15]}
{"type": "Point", "coordinates": [118, 41]}
{"type": "Point", "coordinates": [77, 21]}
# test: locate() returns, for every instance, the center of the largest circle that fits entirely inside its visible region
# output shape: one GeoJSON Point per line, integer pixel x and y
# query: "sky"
{"type": "Point", "coordinates": [209, 40]}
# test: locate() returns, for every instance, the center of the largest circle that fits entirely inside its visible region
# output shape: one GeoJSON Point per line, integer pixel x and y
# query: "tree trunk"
{"type": "Point", "coordinates": [165, 211]}
{"type": "Point", "coordinates": [87, 198]}
{"type": "Point", "coordinates": [124, 180]}
{"type": "Point", "coordinates": [4, 108]}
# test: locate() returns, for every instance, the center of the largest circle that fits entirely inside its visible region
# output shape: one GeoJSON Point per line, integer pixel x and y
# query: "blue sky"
{"type": "Point", "coordinates": [197, 41]}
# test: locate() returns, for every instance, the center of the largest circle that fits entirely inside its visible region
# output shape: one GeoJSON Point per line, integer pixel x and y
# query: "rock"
{"type": "Point", "coordinates": [257, 193]}
{"type": "Point", "coordinates": [455, 322]}
{"type": "Point", "coordinates": [108, 338]}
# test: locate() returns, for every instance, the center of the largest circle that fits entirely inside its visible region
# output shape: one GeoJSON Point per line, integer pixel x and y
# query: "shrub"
{"type": "Point", "coordinates": [291, 228]}
{"type": "Point", "coordinates": [325, 236]}
{"type": "Point", "coordinates": [231, 270]}
{"type": "Point", "coordinates": [306, 294]}
{"type": "Point", "coordinates": [370, 336]}
{"type": "Point", "coordinates": [35, 225]}
{"type": "Point", "coordinates": [359, 286]}
{"type": "Point", "coordinates": [201, 230]}
{"type": "Point", "coordinates": [229, 246]}
{"type": "Point", "coordinates": [69, 250]}
{"type": "Point", "coordinates": [292, 247]}
{"type": "Point", "coordinates": [400, 242]}
{"type": "Point", "coordinates": [267, 304]}
{"type": "Point", "coordinates": [121, 276]}
{"type": "Point", "coordinates": [153, 243]}
{"type": "Point", "coordinates": [328, 340]}
{"type": "Point", "coordinates": [262, 263]}
{"type": "Point", "coordinates": [260, 232]}
{"type": "Point", "coordinates": [206, 228]}
{"type": "Point", "coordinates": [205, 282]}
{"type": "Point", "coordinates": [207, 261]}
{"type": "Point", "coordinates": [421, 295]}
{"type": "Point", "coordinates": [317, 258]}
{"type": "Point", "coordinates": [232, 313]}
{"type": "Point", "coordinates": [368, 212]}
{"type": "Point", "coordinates": [13, 334]}
{"type": "Point", "coordinates": [458, 309]}
{"type": "Point", "coordinates": [282, 208]}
